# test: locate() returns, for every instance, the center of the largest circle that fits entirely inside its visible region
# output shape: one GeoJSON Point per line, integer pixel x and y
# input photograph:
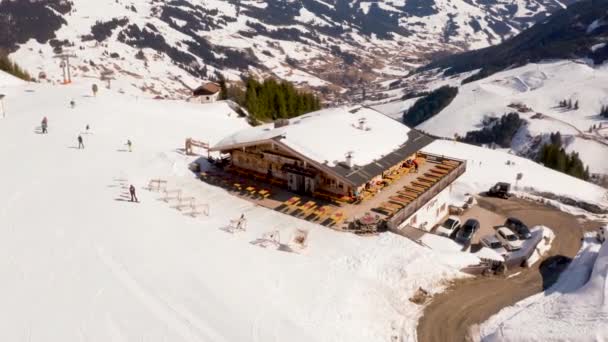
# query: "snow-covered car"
{"type": "Point", "coordinates": [508, 239]}
{"type": "Point", "coordinates": [492, 242]}
{"type": "Point", "coordinates": [448, 227]}
{"type": "Point", "coordinates": [467, 231]}
{"type": "Point", "coordinates": [518, 227]}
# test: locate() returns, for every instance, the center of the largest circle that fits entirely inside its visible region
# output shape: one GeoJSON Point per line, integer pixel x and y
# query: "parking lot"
{"type": "Point", "coordinates": [487, 221]}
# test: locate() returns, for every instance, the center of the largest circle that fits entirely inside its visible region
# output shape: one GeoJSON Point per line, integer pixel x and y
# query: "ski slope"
{"type": "Point", "coordinates": [78, 262]}
{"type": "Point", "coordinates": [573, 309]}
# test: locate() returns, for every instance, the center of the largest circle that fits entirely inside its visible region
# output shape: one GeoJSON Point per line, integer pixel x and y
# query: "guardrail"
{"type": "Point", "coordinates": [399, 217]}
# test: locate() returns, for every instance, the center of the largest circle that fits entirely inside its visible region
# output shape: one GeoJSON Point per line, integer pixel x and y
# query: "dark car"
{"type": "Point", "coordinates": [467, 231]}
{"type": "Point", "coordinates": [501, 190]}
{"type": "Point", "coordinates": [518, 227]}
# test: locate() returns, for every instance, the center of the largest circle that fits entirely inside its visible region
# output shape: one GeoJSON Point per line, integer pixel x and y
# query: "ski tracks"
{"type": "Point", "coordinates": [180, 320]}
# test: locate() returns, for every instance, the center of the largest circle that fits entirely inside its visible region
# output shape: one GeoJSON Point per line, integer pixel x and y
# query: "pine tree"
{"type": "Point", "coordinates": [569, 104]}
{"type": "Point", "coordinates": [576, 105]}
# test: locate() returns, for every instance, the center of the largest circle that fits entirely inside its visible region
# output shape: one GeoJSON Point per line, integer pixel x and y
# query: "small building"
{"type": "Point", "coordinates": [206, 93]}
{"type": "Point", "coordinates": [337, 151]}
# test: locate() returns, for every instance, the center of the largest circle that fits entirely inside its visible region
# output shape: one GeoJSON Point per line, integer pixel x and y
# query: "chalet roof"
{"type": "Point", "coordinates": [374, 141]}
{"type": "Point", "coordinates": [208, 88]}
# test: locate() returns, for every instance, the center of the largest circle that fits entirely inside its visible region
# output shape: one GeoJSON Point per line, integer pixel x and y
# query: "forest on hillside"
{"type": "Point", "coordinates": [271, 100]}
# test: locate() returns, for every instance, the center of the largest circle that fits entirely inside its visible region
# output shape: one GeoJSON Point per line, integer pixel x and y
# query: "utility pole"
{"type": "Point", "coordinates": [65, 66]}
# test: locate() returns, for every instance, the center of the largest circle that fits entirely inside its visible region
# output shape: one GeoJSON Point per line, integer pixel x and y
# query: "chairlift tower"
{"type": "Point", "coordinates": [65, 66]}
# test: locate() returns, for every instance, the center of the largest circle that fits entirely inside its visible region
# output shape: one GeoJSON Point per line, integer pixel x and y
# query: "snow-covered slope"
{"type": "Point", "coordinates": [574, 309]}
{"type": "Point", "coordinates": [334, 43]}
{"type": "Point", "coordinates": [485, 167]}
{"type": "Point", "coordinates": [79, 262]}
{"type": "Point", "coordinates": [540, 87]}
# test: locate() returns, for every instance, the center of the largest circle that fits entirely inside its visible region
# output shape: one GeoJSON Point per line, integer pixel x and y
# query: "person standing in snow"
{"type": "Point", "coordinates": [133, 195]}
{"type": "Point", "coordinates": [72, 104]}
{"type": "Point", "coordinates": [80, 143]}
{"type": "Point", "coordinates": [130, 145]}
{"type": "Point", "coordinates": [87, 128]}
{"type": "Point", "coordinates": [44, 126]}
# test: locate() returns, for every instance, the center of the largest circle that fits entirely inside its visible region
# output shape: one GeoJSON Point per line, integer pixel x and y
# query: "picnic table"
{"type": "Point", "coordinates": [400, 200]}
{"type": "Point", "coordinates": [392, 206]}
{"type": "Point", "coordinates": [422, 185]}
{"type": "Point", "coordinates": [439, 170]}
{"type": "Point", "coordinates": [426, 180]}
{"type": "Point", "coordinates": [322, 211]}
{"type": "Point", "coordinates": [444, 167]}
{"type": "Point", "coordinates": [433, 176]}
{"type": "Point", "coordinates": [414, 189]}
{"type": "Point", "coordinates": [264, 193]}
{"type": "Point", "coordinates": [337, 217]}
{"type": "Point", "coordinates": [293, 201]}
{"type": "Point", "coordinates": [250, 189]}
{"type": "Point", "coordinates": [384, 210]}
{"type": "Point", "coordinates": [308, 206]}
{"type": "Point", "coordinates": [407, 194]}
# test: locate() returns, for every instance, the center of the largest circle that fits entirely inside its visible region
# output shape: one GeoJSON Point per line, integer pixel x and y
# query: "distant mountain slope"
{"type": "Point", "coordinates": [578, 32]}
{"type": "Point", "coordinates": [336, 44]}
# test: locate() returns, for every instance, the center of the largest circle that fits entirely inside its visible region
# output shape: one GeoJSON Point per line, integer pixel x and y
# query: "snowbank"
{"type": "Point", "coordinates": [573, 309]}
{"type": "Point", "coordinates": [9, 80]}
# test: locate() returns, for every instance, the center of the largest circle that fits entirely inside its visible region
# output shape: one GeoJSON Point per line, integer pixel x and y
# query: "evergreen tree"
{"type": "Point", "coordinates": [569, 104]}
{"type": "Point", "coordinates": [576, 105]}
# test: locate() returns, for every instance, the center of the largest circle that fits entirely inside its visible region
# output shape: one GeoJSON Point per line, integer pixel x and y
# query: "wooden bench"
{"type": "Point", "coordinates": [427, 180]}
{"type": "Point", "coordinates": [400, 200]}
{"type": "Point", "coordinates": [452, 163]}
{"type": "Point", "coordinates": [433, 176]}
{"type": "Point", "coordinates": [444, 168]}
{"type": "Point", "coordinates": [407, 194]}
{"type": "Point", "coordinates": [414, 189]}
{"type": "Point", "coordinates": [421, 185]}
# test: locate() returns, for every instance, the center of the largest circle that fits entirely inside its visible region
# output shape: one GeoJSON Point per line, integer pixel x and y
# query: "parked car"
{"type": "Point", "coordinates": [508, 239]}
{"type": "Point", "coordinates": [467, 231]}
{"type": "Point", "coordinates": [518, 227]}
{"type": "Point", "coordinates": [492, 242]}
{"type": "Point", "coordinates": [448, 227]}
{"type": "Point", "coordinates": [501, 190]}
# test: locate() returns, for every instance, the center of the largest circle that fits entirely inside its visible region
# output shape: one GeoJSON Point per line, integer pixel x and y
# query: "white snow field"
{"type": "Point", "coordinates": [80, 263]}
{"type": "Point", "coordinates": [540, 86]}
{"type": "Point", "coordinates": [485, 167]}
{"type": "Point", "coordinates": [573, 309]}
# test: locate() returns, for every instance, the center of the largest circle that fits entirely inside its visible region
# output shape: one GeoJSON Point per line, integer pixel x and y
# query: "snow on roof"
{"type": "Point", "coordinates": [329, 135]}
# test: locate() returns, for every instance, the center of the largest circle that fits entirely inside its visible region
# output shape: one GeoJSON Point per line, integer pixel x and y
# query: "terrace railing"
{"type": "Point", "coordinates": [399, 217]}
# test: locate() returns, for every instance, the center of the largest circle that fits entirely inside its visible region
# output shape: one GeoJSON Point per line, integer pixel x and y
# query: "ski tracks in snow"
{"type": "Point", "coordinates": [180, 320]}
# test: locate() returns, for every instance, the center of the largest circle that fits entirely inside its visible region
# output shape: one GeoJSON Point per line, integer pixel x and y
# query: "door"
{"type": "Point", "coordinates": [295, 182]}
{"type": "Point", "coordinates": [309, 185]}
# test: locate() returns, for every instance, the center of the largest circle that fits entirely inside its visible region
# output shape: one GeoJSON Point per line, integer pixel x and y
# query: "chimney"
{"type": "Point", "coordinates": [349, 159]}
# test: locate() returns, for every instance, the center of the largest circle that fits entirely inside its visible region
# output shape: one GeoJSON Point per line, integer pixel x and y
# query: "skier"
{"type": "Point", "coordinates": [133, 195]}
{"type": "Point", "coordinates": [44, 125]}
{"type": "Point", "coordinates": [87, 128]}
{"type": "Point", "coordinates": [72, 104]}
{"type": "Point", "coordinates": [130, 144]}
{"type": "Point", "coordinates": [80, 143]}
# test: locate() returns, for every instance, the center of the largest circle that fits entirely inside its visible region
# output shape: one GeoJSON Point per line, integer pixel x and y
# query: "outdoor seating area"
{"type": "Point", "coordinates": [432, 173]}
{"type": "Point", "coordinates": [381, 199]}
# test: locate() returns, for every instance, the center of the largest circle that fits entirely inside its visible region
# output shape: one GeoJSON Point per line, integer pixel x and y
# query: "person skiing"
{"type": "Point", "coordinates": [133, 195]}
{"type": "Point", "coordinates": [87, 128]}
{"type": "Point", "coordinates": [130, 144]}
{"type": "Point", "coordinates": [44, 125]}
{"type": "Point", "coordinates": [80, 143]}
{"type": "Point", "coordinates": [72, 104]}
